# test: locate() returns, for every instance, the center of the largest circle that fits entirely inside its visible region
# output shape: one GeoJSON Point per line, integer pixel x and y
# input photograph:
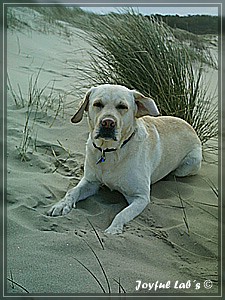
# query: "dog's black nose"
{"type": "Point", "coordinates": [108, 123]}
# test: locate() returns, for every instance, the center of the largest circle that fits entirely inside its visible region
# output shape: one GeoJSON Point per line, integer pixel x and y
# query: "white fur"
{"type": "Point", "coordinates": [159, 146]}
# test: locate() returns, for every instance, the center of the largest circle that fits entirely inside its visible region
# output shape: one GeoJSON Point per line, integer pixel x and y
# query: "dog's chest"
{"type": "Point", "coordinates": [106, 179]}
{"type": "Point", "coordinates": [108, 173]}
{"type": "Point", "coordinates": [121, 170]}
{"type": "Point", "coordinates": [118, 175]}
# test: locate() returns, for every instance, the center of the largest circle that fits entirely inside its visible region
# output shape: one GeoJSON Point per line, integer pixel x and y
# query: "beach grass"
{"type": "Point", "coordinates": [36, 100]}
{"type": "Point", "coordinates": [107, 290]}
{"type": "Point", "coordinates": [13, 283]}
{"type": "Point", "coordinates": [145, 55]}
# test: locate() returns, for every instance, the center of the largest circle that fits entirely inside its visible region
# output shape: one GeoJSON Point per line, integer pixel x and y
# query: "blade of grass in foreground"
{"type": "Point", "coordinates": [101, 266]}
{"type": "Point", "coordinates": [92, 274]}
{"type": "Point", "coordinates": [19, 285]}
{"type": "Point", "coordinates": [97, 235]}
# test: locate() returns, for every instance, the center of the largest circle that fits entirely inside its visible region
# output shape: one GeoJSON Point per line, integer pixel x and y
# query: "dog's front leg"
{"type": "Point", "coordinates": [136, 206]}
{"type": "Point", "coordinates": [83, 190]}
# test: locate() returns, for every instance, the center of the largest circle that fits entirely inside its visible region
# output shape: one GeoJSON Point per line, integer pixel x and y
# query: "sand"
{"type": "Point", "coordinates": [156, 251]}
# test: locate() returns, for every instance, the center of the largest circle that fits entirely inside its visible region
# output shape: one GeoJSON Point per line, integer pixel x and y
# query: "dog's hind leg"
{"type": "Point", "coordinates": [190, 165]}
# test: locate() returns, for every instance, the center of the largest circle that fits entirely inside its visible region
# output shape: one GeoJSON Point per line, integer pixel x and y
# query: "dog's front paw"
{"type": "Point", "coordinates": [63, 207]}
{"type": "Point", "coordinates": [114, 229]}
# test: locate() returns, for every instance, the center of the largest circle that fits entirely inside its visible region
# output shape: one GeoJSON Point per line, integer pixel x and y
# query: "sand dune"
{"type": "Point", "coordinates": [42, 251]}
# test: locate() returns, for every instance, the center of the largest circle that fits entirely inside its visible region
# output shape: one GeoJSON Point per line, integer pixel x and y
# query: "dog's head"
{"type": "Point", "coordinates": [112, 112]}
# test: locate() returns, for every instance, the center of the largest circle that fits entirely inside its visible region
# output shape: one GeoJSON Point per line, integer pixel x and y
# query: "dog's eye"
{"type": "Point", "coordinates": [122, 106]}
{"type": "Point", "coordinates": [98, 104]}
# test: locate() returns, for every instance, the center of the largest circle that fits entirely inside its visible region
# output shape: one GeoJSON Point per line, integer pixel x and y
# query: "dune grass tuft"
{"type": "Point", "coordinates": [36, 101]}
{"type": "Point", "coordinates": [144, 54]}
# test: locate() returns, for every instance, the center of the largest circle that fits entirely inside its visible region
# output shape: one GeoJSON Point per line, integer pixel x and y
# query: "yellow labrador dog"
{"type": "Point", "coordinates": [128, 149]}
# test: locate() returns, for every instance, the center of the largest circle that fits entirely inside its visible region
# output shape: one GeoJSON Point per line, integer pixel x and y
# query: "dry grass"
{"type": "Point", "coordinates": [36, 101]}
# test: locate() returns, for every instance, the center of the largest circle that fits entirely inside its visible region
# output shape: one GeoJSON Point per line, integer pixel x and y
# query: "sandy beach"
{"type": "Point", "coordinates": [155, 254]}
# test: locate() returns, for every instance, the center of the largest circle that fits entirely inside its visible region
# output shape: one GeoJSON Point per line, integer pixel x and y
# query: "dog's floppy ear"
{"type": "Point", "coordinates": [145, 105]}
{"type": "Point", "coordinates": [83, 107]}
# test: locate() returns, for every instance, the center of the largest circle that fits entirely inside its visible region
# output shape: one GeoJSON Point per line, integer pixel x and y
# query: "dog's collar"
{"type": "Point", "coordinates": [103, 151]}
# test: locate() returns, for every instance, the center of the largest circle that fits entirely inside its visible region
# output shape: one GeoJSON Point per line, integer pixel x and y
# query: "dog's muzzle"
{"type": "Point", "coordinates": [107, 129]}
